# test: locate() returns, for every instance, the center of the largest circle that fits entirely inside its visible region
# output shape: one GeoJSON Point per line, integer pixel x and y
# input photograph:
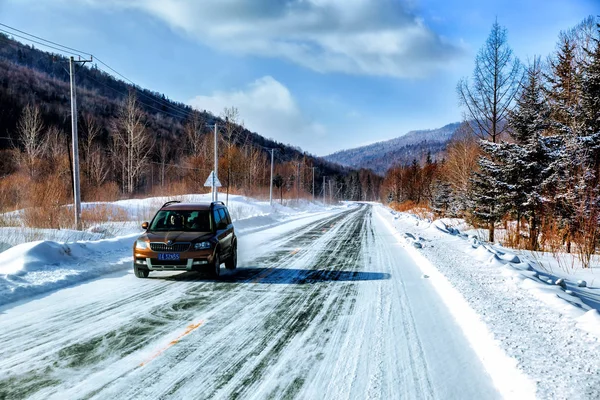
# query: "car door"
{"type": "Point", "coordinates": [228, 226]}
{"type": "Point", "coordinates": [221, 231]}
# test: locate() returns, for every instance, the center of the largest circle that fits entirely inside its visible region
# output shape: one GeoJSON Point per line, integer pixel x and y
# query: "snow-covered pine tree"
{"type": "Point", "coordinates": [590, 104]}
{"type": "Point", "coordinates": [565, 124]}
{"type": "Point", "coordinates": [441, 198]}
{"type": "Point", "coordinates": [488, 97]}
{"type": "Point", "coordinates": [529, 158]}
{"type": "Point", "coordinates": [586, 218]}
{"type": "Point", "coordinates": [489, 203]}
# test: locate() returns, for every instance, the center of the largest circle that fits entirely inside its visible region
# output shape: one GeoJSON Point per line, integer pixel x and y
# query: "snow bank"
{"type": "Point", "coordinates": [507, 378]}
{"type": "Point", "coordinates": [558, 291]}
{"type": "Point", "coordinates": [12, 236]}
{"type": "Point", "coordinates": [65, 257]}
{"type": "Point", "coordinates": [41, 266]}
{"type": "Point", "coordinates": [535, 275]}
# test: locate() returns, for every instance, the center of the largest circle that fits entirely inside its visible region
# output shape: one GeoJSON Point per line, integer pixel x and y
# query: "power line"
{"type": "Point", "coordinates": [40, 43]}
{"type": "Point", "coordinates": [125, 95]}
{"type": "Point", "coordinates": [174, 108]}
{"type": "Point", "coordinates": [159, 100]}
{"type": "Point", "coordinates": [45, 40]}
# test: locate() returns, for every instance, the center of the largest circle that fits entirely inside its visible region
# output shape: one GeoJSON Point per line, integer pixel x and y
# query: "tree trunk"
{"type": "Point", "coordinates": [518, 229]}
{"type": "Point", "coordinates": [532, 234]}
{"type": "Point", "coordinates": [491, 236]}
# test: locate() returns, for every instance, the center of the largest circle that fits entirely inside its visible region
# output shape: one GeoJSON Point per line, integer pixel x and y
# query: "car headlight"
{"type": "Point", "coordinates": [141, 245]}
{"type": "Point", "coordinates": [202, 246]}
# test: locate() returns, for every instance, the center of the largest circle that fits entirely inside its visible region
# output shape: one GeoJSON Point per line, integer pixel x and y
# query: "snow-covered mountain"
{"type": "Point", "coordinates": [382, 155]}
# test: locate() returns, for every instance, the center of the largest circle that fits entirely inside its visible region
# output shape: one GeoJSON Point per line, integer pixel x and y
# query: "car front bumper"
{"type": "Point", "coordinates": [188, 261]}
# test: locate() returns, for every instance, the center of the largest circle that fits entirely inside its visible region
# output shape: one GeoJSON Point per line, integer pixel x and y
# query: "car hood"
{"type": "Point", "coordinates": [176, 236]}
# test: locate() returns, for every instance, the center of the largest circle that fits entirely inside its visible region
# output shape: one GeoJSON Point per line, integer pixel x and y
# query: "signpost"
{"type": "Point", "coordinates": [213, 181]}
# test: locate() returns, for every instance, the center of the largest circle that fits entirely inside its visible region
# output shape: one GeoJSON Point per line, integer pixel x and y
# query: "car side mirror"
{"type": "Point", "coordinates": [222, 225]}
{"type": "Point", "coordinates": [145, 225]}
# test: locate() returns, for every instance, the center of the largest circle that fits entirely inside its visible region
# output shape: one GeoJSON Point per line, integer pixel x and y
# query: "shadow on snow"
{"type": "Point", "coordinates": [277, 276]}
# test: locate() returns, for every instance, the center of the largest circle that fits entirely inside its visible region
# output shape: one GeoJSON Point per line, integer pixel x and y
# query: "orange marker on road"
{"type": "Point", "coordinates": [190, 328]}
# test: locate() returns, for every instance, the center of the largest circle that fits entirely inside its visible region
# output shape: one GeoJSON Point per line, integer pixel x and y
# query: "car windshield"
{"type": "Point", "coordinates": [181, 220]}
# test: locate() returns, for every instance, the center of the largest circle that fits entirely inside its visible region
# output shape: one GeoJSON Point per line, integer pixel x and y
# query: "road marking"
{"type": "Point", "coordinates": [190, 328]}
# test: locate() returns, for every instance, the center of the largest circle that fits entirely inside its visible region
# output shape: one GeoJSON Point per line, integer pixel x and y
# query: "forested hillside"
{"type": "Point", "coordinates": [380, 156]}
{"type": "Point", "coordinates": [135, 141]}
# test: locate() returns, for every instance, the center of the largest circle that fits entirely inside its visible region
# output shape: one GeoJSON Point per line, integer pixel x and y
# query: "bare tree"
{"type": "Point", "coordinates": [56, 144]}
{"type": "Point", "coordinates": [461, 160]}
{"type": "Point", "coordinates": [98, 170]}
{"type": "Point", "coordinates": [229, 135]}
{"type": "Point", "coordinates": [582, 36]}
{"type": "Point", "coordinates": [131, 143]}
{"type": "Point", "coordinates": [496, 80]}
{"type": "Point", "coordinates": [163, 151]}
{"type": "Point", "coordinates": [194, 133]}
{"type": "Point", "coordinates": [92, 133]}
{"type": "Point", "coordinates": [95, 166]}
{"type": "Point", "coordinates": [30, 129]}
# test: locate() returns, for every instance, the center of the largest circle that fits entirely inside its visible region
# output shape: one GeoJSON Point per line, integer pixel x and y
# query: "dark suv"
{"type": "Point", "coordinates": [186, 237]}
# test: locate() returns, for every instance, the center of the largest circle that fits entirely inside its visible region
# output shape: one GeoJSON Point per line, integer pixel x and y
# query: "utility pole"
{"type": "Point", "coordinates": [271, 182]}
{"type": "Point", "coordinates": [75, 142]}
{"type": "Point", "coordinates": [297, 182]}
{"type": "Point", "coordinates": [330, 192]}
{"type": "Point", "coordinates": [215, 195]}
{"type": "Point", "coordinates": [324, 191]}
{"type": "Point", "coordinates": [313, 182]}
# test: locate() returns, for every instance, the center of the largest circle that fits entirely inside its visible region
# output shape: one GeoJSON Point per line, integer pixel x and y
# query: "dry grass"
{"type": "Point", "coordinates": [44, 204]}
{"type": "Point", "coordinates": [107, 192]}
{"type": "Point", "coordinates": [419, 209]}
{"type": "Point", "coordinates": [103, 213]}
{"type": "Point", "coordinates": [12, 191]}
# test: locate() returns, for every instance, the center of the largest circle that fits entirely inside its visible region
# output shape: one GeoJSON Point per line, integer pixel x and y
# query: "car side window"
{"type": "Point", "coordinates": [223, 216]}
{"type": "Point", "coordinates": [217, 218]}
{"type": "Point", "coordinates": [228, 216]}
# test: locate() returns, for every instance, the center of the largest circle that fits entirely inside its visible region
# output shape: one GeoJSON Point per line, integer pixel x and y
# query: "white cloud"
{"type": "Point", "coordinates": [267, 107]}
{"type": "Point", "coordinates": [370, 37]}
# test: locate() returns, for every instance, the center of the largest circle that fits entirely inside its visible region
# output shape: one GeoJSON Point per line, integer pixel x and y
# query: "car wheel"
{"type": "Point", "coordinates": [231, 262]}
{"type": "Point", "coordinates": [216, 267]}
{"type": "Point", "coordinates": [140, 272]}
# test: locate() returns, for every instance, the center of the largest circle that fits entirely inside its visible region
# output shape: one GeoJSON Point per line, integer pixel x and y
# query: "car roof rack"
{"type": "Point", "coordinates": [170, 202]}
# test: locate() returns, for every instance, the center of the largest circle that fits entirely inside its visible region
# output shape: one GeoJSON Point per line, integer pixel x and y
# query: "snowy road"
{"type": "Point", "coordinates": [329, 307]}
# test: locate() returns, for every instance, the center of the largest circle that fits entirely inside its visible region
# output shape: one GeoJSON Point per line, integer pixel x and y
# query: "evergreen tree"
{"type": "Point", "coordinates": [563, 87]}
{"type": "Point", "coordinates": [489, 187]}
{"type": "Point", "coordinates": [590, 104]}
{"type": "Point", "coordinates": [529, 160]}
{"type": "Point", "coordinates": [442, 198]}
{"type": "Point", "coordinates": [568, 154]}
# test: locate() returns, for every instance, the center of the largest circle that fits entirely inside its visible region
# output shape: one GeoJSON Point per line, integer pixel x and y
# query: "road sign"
{"type": "Point", "coordinates": [209, 180]}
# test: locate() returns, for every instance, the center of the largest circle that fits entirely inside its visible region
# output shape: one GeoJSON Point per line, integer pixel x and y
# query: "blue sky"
{"type": "Point", "coordinates": [323, 75]}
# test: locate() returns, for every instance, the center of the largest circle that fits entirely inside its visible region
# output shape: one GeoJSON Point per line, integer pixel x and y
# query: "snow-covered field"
{"type": "Point", "coordinates": [535, 309]}
{"type": "Point", "coordinates": [41, 260]}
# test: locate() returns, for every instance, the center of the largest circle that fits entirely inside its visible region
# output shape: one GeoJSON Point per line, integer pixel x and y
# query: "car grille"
{"type": "Point", "coordinates": [174, 248]}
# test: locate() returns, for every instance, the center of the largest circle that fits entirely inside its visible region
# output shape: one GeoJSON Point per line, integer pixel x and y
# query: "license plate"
{"type": "Point", "coordinates": [168, 256]}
